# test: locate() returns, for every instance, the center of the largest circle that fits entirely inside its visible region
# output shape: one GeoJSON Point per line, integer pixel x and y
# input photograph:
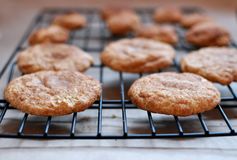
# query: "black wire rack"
{"type": "Point", "coordinates": [120, 105]}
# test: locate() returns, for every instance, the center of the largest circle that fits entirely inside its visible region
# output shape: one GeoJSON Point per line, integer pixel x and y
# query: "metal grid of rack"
{"type": "Point", "coordinates": [122, 104]}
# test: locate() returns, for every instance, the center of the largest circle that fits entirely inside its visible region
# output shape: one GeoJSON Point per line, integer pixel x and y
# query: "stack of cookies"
{"type": "Point", "coordinates": [54, 85]}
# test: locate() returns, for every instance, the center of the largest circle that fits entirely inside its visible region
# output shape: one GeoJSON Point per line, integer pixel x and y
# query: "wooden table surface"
{"type": "Point", "coordinates": [15, 16]}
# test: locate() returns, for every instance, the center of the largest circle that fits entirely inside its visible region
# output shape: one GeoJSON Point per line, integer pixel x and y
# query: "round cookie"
{"type": "Point", "coordinates": [109, 11]}
{"type": "Point", "coordinates": [208, 34]}
{"type": "Point", "coordinates": [165, 34]}
{"type": "Point", "coordinates": [70, 21]}
{"type": "Point", "coordinates": [51, 93]}
{"type": "Point", "coordinates": [180, 94]}
{"type": "Point", "coordinates": [51, 34]}
{"type": "Point", "coordinates": [53, 57]}
{"type": "Point", "coordinates": [213, 63]}
{"type": "Point", "coordinates": [137, 55]}
{"type": "Point", "coordinates": [167, 15]}
{"type": "Point", "coordinates": [190, 20]}
{"type": "Point", "coordinates": [123, 23]}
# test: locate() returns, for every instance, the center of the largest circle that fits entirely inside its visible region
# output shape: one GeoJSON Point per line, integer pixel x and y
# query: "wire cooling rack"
{"type": "Point", "coordinates": [113, 116]}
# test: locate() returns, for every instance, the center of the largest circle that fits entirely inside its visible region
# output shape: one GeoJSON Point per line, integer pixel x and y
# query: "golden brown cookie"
{"type": "Point", "coordinates": [51, 34]}
{"type": "Point", "coordinates": [123, 23]}
{"type": "Point", "coordinates": [109, 11]}
{"type": "Point", "coordinates": [70, 21]}
{"type": "Point", "coordinates": [51, 93]}
{"type": "Point", "coordinates": [137, 55]}
{"type": "Point", "coordinates": [190, 20]}
{"type": "Point", "coordinates": [165, 34]}
{"type": "Point", "coordinates": [215, 64]}
{"type": "Point", "coordinates": [53, 57]}
{"type": "Point", "coordinates": [208, 34]}
{"type": "Point", "coordinates": [167, 15]}
{"type": "Point", "coordinates": [180, 94]}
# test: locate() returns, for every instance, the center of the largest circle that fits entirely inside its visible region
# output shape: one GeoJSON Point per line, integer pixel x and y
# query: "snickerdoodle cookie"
{"type": "Point", "coordinates": [165, 34]}
{"type": "Point", "coordinates": [70, 21]}
{"type": "Point", "coordinates": [190, 20]}
{"type": "Point", "coordinates": [51, 34]}
{"type": "Point", "coordinates": [208, 34]}
{"type": "Point", "coordinates": [167, 15]}
{"type": "Point", "coordinates": [137, 55]}
{"type": "Point", "coordinates": [179, 94]}
{"type": "Point", "coordinates": [123, 23]}
{"type": "Point", "coordinates": [109, 11]}
{"type": "Point", "coordinates": [53, 57]}
{"type": "Point", "coordinates": [215, 64]}
{"type": "Point", "coordinates": [52, 93]}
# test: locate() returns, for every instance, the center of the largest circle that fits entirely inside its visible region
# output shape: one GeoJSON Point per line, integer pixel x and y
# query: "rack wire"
{"type": "Point", "coordinates": [121, 104]}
